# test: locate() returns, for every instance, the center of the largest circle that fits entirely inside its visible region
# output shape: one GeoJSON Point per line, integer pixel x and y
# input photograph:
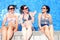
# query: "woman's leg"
{"type": "Point", "coordinates": [24, 33]}
{"type": "Point", "coordinates": [42, 29]}
{"type": "Point", "coordinates": [4, 33]}
{"type": "Point", "coordinates": [29, 32]}
{"type": "Point", "coordinates": [10, 33]}
{"type": "Point", "coordinates": [0, 30]}
{"type": "Point", "coordinates": [47, 33]}
{"type": "Point", "coordinates": [51, 32]}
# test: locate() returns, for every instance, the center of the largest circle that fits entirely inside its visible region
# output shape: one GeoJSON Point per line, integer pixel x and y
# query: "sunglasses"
{"type": "Point", "coordinates": [11, 8]}
{"type": "Point", "coordinates": [43, 8]}
{"type": "Point", "coordinates": [25, 8]}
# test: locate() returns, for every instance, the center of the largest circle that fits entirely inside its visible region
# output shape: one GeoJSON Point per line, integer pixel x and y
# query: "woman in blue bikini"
{"type": "Point", "coordinates": [45, 22]}
{"type": "Point", "coordinates": [10, 23]}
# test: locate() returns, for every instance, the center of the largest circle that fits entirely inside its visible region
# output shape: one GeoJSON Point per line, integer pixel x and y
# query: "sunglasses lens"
{"type": "Point", "coordinates": [43, 8]}
{"type": "Point", "coordinates": [11, 8]}
{"type": "Point", "coordinates": [25, 8]}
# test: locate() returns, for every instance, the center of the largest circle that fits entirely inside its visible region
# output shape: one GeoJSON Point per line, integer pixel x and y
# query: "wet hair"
{"type": "Point", "coordinates": [22, 8]}
{"type": "Point", "coordinates": [47, 7]}
{"type": "Point", "coordinates": [14, 6]}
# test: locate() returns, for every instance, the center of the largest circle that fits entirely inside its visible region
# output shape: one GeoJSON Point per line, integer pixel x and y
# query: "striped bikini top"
{"type": "Point", "coordinates": [13, 20]}
{"type": "Point", "coordinates": [44, 20]}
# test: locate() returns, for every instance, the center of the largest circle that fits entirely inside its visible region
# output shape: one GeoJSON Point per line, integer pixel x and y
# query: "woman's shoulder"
{"type": "Point", "coordinates": [6, 14]}
{"type": "Point", "coordinates": [49, 15]}
{"type": "Point", "coordinates": [15, 15]}
{"type": "Point", "coordinates": [31, 14]}
{"type": "Point", "coordinates": [21, 15]}
{"type": "Point", "coordinates": [39, 14]}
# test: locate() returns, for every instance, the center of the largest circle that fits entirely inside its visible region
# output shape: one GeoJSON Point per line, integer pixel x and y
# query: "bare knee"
{"type": "Point", "coordinates": [51, 27]}
{"type": "Point", "coordinates": [0, 30]}
{"type": "Point", "coordinates": [4, 28]}
{"type": "Point", "coordinates": [46, 29]}
{"type": "Point", "coordinates": [4, 32]}
{"type": "Point", "coordinates": [9, 34]}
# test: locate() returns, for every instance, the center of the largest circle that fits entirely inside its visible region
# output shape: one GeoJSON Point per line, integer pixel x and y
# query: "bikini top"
{"type": "Point", "coordinates": [44, 20]}
{"type": "Point", "coordinates": [29, 18]}
{"type": "Point", "coordinates": [13, 20]}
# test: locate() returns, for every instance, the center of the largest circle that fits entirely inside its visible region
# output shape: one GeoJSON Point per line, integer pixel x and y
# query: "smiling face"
{"type": "Point", "coordinates": [25, 10]}
{"type": "Point", "coordinates": [44, 9]}
{"type": "Point", "coordinates": [11, 9]}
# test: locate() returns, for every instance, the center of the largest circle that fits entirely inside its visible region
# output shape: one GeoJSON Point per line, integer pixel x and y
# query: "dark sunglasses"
{"type": "Point", "coordinates": [25, 8]}
{"type": "Point", "coordinates": [43, 8]}
{"type": "Point", "coordinates": [11, 8]}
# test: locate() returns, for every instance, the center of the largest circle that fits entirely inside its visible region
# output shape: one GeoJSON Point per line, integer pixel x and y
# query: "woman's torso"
{"type": "Point", "coordinates": [27, 19]}
{"type": "Point", "coordinates": [44, 20]}
{"type": "Point", "coordinates": [10, 20]}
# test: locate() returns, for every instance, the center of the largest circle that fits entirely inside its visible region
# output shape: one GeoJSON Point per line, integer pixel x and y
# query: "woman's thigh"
{"type": "Point", "coordinates": [51, 30]}
{"type": "Point", "coordinates": [4, 32]}
{"type": "Point", "coordinates": [24, 31]}
{"type": "Point", "coordinates": [10, 32]}
{"type": "Point", "coordinates": [46, 29]}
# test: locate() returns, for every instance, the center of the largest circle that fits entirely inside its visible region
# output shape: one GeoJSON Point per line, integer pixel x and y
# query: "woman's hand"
{"type": "Point", "coordinates": [42, 29]}
{"type": "Point", "coordinates": [35, 12]}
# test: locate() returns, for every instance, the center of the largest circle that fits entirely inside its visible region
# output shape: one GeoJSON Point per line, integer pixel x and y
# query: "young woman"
{"type": "Point", "coordinates": [45, 22]}
{"type": "Point", "coordinates": [26, 18]}
{"type": "Point", "coordinates": [10, 23]}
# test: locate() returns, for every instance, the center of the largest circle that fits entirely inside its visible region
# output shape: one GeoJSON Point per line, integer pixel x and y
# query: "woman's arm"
{"type": "Point", "coordinates": [16, 28]}
{"type": "Point", "coordinates": [21, 20]}
{"type": "Point", "coordinates": [50, 20]}
{"type": "Point", "coordinates": [32, 20]}
{"type": "Point", "coordinates": [32, 14]}
{"type": "Point", "coordinates": [4, 20]}
{"type": "Point", "coordinates": [39, 18]}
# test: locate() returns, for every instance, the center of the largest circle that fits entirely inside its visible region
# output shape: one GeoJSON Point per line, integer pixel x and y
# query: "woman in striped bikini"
{"type": "Point", "coordinates": [45, 22]}
{"type": "Point", "coordinates": [10, 23]}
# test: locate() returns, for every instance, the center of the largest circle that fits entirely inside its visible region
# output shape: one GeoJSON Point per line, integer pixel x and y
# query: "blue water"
{"type": "Point", "coordinates": [34, 5]}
